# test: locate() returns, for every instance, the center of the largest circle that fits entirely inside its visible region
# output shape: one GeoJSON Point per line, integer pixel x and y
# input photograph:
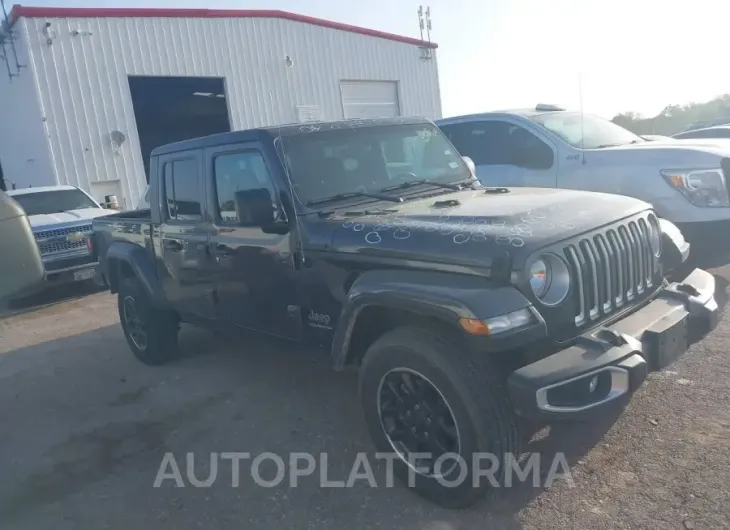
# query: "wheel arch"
{"type": "Point", "coordinates": [379, 301]}
{"type": "Point", "coordinates": [125, 260]}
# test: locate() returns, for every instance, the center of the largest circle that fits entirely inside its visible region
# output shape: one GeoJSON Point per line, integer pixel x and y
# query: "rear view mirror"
{"type": "Point", "coordinates": [21, 267]}
{"type": "Point", "coordinates": [255, 207]}
{"type": "Point", "coordinates": [470, 164]}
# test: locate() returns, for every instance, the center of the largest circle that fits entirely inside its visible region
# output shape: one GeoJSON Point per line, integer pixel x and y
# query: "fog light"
{"type": "Point", "coordinates": [593, 384]}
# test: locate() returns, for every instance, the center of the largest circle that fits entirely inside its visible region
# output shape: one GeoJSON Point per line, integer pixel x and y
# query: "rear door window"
{"type": "Point", "coordinates": [182, 190]}
{"type": "Point", "coordinates": [483, 141]}
{"type": "Point", "coordinates": [500, 143]}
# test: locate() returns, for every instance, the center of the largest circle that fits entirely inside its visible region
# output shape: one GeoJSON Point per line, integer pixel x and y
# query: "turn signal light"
{"type": "Point", "coordinates": [474, 326]}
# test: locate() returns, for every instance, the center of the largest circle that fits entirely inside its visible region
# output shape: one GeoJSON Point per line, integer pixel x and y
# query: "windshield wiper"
{"type": "Point", "coordinates": [368, 212]}
{"type": "Point", "coordinates": [340, 196]}
{"type": "Point", "coordinates": [410, 184]}
{"type": "Point", "coordinates": [471, 183]}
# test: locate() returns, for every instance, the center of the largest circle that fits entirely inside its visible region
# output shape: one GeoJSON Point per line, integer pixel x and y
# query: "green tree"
{"type": "Point", "coordinates": [676, 118]}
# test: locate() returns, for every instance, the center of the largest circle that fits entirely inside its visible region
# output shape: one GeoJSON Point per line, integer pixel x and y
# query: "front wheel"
{"type": "Point", "coordinates": [151, 332]}
{"type": "Point", "coordinates": [444, 413]}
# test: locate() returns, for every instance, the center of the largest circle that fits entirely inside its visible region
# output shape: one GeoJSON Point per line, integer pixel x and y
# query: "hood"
{"type": "Point", "coordinates": [69, 217]}
{"type": "Point", "coordinates": [666, 153]}
{"type": "Point", "coordinates": [718, 143]}
{"type": "Point", "coordinates": [472, 227]}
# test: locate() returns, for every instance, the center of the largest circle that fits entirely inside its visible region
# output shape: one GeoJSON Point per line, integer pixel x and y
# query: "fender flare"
{"type": "Point", "coordinates": [446, 296]}
{"type": "Point", "coordinates": [141, 264]}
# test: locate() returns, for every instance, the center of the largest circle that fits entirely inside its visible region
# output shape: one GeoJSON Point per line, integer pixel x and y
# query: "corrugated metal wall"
{"type": "Point", "coordinates": [82, 77]}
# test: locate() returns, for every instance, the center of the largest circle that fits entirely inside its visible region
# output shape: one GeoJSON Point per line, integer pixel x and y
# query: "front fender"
{"type": "Point", "coordinates": [121, 254]}
{"type": "Point", "coordinates": [448, 297]}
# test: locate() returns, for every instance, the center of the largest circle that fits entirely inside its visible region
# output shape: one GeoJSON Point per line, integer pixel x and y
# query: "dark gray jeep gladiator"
{"type": "Point", "coordinates": [468, 311]}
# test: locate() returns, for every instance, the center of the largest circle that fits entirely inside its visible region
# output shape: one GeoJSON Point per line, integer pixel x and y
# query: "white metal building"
{"type": "Point", "coordinates": [65, 82]}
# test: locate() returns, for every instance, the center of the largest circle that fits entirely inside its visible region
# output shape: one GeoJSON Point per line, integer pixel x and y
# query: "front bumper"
{"type": "Point", "coordinates": [606, 365]}
{"type": "Point", "coordinates": [73, 268]}
{"type": "Point", "coordinates": [706, 234]}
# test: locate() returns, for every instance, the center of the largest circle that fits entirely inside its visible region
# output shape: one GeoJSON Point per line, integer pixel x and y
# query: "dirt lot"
{"type": "Point", "coordinates": [84, 428]}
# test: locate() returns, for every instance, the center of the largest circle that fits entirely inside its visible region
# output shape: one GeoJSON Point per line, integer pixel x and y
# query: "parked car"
{"type": "Point", "coordinates": [60, 217]}
{"type": "Point", "coordinates": [720, 131]}
{"type": "Point", "coordinates": [466, 309]}
{"type": "Point", "coordinates": [686, 182]}
{"type": "Point", "coordinates": [708, 123]}
{"type": "Point", "coordinates": [655, 137]}
{"type": "Point", "coordinates": [21, 268]}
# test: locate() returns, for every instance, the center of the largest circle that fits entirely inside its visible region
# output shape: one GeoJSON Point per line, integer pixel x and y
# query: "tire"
{"type": "Point", "coordinates": [477, 399]}
{"type": "Point", "coordinates": [159, 326]}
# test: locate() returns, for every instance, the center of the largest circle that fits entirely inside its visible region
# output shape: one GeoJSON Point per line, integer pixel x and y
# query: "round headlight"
{"type": "Point", "coordinates": [549, 279]}
{"type": "Point", "coordinates": [539, 280]}
{"type": "Point", "coordinates": [655, 236]}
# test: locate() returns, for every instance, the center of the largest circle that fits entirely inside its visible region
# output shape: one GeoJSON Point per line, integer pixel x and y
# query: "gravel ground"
{"type": "Point", "coordinates": [85, 428]}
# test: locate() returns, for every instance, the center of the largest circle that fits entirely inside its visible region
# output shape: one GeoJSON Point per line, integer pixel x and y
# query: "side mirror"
{"type": "Point", "coordinates": [21, 267]}
{"type": "Point", "coordinates": [470, 164]}
{"type": "Point", "coordinates": [255, 207]}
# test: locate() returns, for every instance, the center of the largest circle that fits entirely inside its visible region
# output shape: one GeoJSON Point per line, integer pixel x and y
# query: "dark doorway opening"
{"type": "Point", "coordinates": [172, 109]}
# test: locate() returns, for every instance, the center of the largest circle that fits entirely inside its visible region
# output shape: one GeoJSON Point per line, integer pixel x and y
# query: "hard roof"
{"type": "Point", "coordinates": [267, 133]}
{"type": "Point", "coordinates": [527, 113]}
{"type": "Point", "coordinates": [19, 11]}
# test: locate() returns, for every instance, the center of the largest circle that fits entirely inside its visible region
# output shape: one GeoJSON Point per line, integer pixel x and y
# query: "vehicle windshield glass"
{"type": "Point", "coordinates": [593, 133]}
{"type": "Point", "coordinates": [57, 201]}
{"type": "Point", "coordinates": [324, 164]}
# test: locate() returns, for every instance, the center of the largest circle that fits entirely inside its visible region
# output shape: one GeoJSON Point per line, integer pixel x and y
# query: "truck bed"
{"type": "Point", "coordinates": [130, 227]}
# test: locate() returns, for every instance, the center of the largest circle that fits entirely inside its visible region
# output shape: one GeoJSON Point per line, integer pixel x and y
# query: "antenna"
{"type": "Point", "coordinates": [428, 23]}
{"type": "Point", "coordinates": [420, 20]}
{"type": "Point", "coordinates": [424, 23]}
{"type": "Point", "coordinates": [4, 35]}
{"type": "Point", "coordinates": [580, 102]}
{"type": "Point", "coordinates": [6, 32]}
{"type": "Point", "coordinates": [4, 56]}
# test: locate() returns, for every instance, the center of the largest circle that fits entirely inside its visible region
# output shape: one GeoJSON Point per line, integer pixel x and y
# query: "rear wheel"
{"type": "Point", "coordinates": [442, 411]}
{"type": "Point", "coordinates": [150, 332]}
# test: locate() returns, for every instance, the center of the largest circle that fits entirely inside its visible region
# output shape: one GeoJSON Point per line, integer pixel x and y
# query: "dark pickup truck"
{"type": "Point", "coordinates": [467, 310]}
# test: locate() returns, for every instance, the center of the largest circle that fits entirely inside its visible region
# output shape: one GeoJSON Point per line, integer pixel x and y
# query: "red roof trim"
{"type": "Point", "coordinates": [19, 11]}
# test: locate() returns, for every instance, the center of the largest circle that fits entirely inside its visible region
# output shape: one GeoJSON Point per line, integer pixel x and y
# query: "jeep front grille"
{"type": "Point", "coordinates": [611, 269]}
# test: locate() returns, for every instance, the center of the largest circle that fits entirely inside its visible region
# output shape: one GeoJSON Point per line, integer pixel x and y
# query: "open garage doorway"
{"type": "Point", "coordinates": [171, 109]}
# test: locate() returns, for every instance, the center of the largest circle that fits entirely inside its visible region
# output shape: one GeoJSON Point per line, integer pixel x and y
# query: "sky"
{"type": "Point", "coordinates": [619, 55]}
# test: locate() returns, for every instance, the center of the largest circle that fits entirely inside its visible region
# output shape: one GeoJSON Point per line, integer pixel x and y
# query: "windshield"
{"type": "Point", "coordinates": [57, 201]}
{"type": "Point", "coordinates": [593, 133]}
{"type": "Point", "coordinates": [368, 159]}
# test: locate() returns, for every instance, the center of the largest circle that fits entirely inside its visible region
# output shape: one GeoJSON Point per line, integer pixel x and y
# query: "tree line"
{"type": "Point", "coordinates": [676, 118]}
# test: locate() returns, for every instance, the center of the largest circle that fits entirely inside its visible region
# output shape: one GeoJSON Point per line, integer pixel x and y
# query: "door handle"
{"type": "Point", "coordinates": [173, 244]}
